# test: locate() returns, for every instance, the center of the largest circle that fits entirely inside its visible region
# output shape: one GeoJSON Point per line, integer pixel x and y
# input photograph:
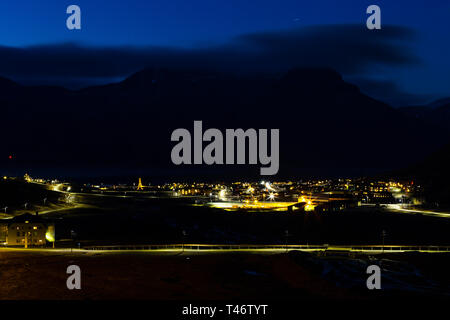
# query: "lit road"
{"type": "Point", "coordinates": [399, 208]}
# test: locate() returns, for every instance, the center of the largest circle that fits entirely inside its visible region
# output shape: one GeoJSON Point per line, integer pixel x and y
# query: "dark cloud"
{"type": "Point", "coordinates": [349, 49]}
{"type": "Point", "coordinates": [346, 48]}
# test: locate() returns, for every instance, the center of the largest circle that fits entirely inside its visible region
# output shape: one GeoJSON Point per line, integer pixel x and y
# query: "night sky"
{"type": "Point", "coordinates": [404, 63]}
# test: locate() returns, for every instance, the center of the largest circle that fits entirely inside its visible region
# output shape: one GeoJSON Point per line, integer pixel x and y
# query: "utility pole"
{"type": "Point", "coordinates": [73, 235]}
{"type": "Point", "coordinates": [383, 235]}
{"type": "Point", "coordinates": [183, 238]}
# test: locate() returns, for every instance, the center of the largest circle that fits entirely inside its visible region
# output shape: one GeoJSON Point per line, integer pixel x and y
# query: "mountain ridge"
{"type": "Point", "coordinates": [324, 121]}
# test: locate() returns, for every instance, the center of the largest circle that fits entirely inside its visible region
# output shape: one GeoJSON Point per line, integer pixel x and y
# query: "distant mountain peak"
{"type": "Point", "coordinates": [316, 81]}
{"type": "Point", "coordinates": [312, 75]}
{"type": "Point", "coordinates": [6, 83]}
{"type": "Point", "coordinates": [439, 103]}
{"type": "Point", "coordinates": [155, 75]}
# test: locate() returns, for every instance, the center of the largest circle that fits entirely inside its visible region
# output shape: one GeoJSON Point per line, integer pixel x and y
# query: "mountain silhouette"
{"type": "Point", "coordinates": [327, 126]}
{"type": "Point", "coordinates": [434, 174]}
{"type": "Point", "coordinates": [436, 113]}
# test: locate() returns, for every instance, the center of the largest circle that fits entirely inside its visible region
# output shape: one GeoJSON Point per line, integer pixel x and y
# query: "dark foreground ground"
{"type": "Point", "coordinates": [32, 274]}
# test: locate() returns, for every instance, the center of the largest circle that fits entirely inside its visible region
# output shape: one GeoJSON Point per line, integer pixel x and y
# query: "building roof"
{"type": "Point", "coordinates": [32, 218]}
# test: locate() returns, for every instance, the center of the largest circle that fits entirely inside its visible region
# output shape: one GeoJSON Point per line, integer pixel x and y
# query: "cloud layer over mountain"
{"type": "Point", "coordinates": [350, 49]}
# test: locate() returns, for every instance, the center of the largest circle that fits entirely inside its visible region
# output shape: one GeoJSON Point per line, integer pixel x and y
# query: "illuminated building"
{"type": "Point", "coordinates": [3, 232]}
{"type": "Point", "coordinates": [29, 230]}
{"type": "Point", "coordinates": [251, 205]}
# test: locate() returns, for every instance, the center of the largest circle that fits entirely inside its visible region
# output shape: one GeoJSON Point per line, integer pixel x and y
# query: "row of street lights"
{"type": "Point", "coordinates": [25, 205]}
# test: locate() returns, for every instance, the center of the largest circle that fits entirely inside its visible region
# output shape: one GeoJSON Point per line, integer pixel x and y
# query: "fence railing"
{"type": "Point", "coordinates": [278, 247]}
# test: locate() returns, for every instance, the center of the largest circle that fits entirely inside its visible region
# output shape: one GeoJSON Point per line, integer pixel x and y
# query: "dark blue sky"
{"type": "Point", "coordinates": [198, 24]}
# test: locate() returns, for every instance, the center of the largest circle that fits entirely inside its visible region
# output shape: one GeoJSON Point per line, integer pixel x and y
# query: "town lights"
{"type": "Point", "coordinates": [269, 187]}
{"type": "Point", "coordinates": [222, 194]}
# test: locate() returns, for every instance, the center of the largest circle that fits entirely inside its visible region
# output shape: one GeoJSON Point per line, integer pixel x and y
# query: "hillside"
{"type": "Point", "coordinates": [436, 113]}
{"type": "Point", "coordinates": [434, 174]}
{"type": "Point", "coordinates": [327, 126]}
{"type": "Point", "coordinates": [15, 193]}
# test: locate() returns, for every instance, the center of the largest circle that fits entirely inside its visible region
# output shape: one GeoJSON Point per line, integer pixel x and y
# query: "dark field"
{"type": "Point", "coordinates": [175, 276]}
{"type": "Point", "coordinates": [143, 220]}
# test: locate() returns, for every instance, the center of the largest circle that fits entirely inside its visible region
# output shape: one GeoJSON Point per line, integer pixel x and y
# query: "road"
{"type": "Point", "coordinates": [399, 208]}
